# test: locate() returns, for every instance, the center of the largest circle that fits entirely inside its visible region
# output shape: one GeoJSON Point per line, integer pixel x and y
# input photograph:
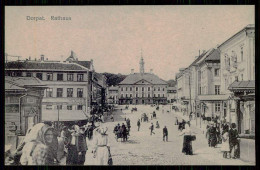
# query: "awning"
{"type": "Point", "coordinates": [242, 85]}
{"type": "Point", "coordinates": [64, 115]}
{"type": "Point", "coordinates": [213, 97]}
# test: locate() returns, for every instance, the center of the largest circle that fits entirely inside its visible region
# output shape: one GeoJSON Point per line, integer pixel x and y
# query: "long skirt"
{"type": "Point", "coordinates": [102, 155]}
{"type": "Point", "coordinates": [187, 145]}
{"type": "Point", "coordinates": [213, 140]}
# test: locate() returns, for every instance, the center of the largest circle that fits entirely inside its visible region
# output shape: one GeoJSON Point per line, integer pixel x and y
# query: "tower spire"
{"type": "Point", "coordinates": [141, 63]}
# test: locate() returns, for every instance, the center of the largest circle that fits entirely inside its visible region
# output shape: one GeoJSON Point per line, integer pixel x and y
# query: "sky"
{"type": "Point", "coordinates": [113, 36]}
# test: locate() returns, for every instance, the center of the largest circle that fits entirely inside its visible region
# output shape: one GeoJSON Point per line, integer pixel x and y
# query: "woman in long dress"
{"type": "Point", "coordinates": [187, 140]}
{"type": "Point", "coordinates": [102, 146]}
{"type": "Point", "coordinates": [225, 147]}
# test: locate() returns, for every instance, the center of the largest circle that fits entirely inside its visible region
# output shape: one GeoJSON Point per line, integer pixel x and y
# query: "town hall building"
{"type": "Point", "coordinates": [142, 88]}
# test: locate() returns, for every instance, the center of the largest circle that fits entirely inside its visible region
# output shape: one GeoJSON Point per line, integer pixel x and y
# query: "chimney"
{"type": "Point", "coordinates": [42, 57]}
{"type": "Point", "coordinates": [151, 71]}
{"type": "Point", "coordinates": [132, 71]}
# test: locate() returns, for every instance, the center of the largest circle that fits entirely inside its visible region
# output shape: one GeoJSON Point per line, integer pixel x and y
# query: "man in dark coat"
{"type": "Point", "coordinates": [124, 133]}
{"type": "Point", "coordinates": [152, 128]}
{"type": "Point", "coordinates": [165, 133]}
{"type": "Point", "coordinates": [138, 124]}
{"type": "Point", "coordinates": [81, 147]}
{"type": "Point", "coordinates": [233, 141]}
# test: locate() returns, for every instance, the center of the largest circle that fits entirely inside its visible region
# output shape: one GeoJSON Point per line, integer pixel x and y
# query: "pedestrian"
{"type": "Point", "coordinates": [234, 142]}
{"type": "Point", "coordinates": [138, 124]}
{"type": "Point", "coordinates": [187, 140]}
{"type": "Point", "coordinates": [81, 146]}
{"type": "Point", "coordinates": [124, 132]}
{"type": "Point", "coordinates": [102, 118]}
{"type": "Point", "coordinates": [157, 125]}
{"type": "Point", "coordinates": [176, 121]}
{"type": "Point", "coordinates": [162, 110]}
{"type": "Point", "coordinates": [72, 149]}
{"type": "Point", "coordinates": [112, 118]}
{"type": "Point", "coordinates": [37, 150]}
{"type": "Point", "coordinates": [213, 136]}
{"type": "Point", "coordinates": [225, 147]}
{"type": "Point", "coordinates": [165, 134]}
{"type": "Point", "coordinates": [102, 147]}
{"type": "Point", "coordinates": [151, 128]}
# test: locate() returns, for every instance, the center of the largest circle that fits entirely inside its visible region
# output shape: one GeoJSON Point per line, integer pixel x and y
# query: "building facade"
{"type": "Point", "coordinates": [171, 95]}
{"type": "Point", "coordinates": [112, 95]}
{"type": "Point", "coordinates": [142, 88]}
{"type": "Point", "coordinates": [23, 103]}
{"type": "Point", "coordinates": [238, 78]}
{"type": "Point", "coordinates": [68, 86]}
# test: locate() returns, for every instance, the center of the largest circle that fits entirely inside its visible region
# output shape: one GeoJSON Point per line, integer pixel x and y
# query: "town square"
{"type": "Point", "coordinates": [130, 85]}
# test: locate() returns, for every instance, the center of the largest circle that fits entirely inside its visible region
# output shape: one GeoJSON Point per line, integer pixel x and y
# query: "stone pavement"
{"type": "Point", "coordinates": [144, 149]}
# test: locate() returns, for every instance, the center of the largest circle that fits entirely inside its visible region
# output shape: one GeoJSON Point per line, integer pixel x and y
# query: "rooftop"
{"type": "Point", "coordinates": [28, 65]}
{"type": "Point", "coordinates": [151, 78]}
{"type": "Point", "coordinates": [20, 82]}
{"type": "Point", "coordinates": [239, 85]}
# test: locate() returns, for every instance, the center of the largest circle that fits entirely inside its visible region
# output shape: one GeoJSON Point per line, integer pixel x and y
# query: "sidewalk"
{"type": "Point", "coordinates": [247, 146]}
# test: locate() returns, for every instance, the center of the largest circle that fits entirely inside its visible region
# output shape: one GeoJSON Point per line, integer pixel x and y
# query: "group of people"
{"type": "Point", "coordinates": [227, 136]}
{"type": "Point", "coordinates": [43, 145]}
{"type": "Point", "coordinates": [121, 131]}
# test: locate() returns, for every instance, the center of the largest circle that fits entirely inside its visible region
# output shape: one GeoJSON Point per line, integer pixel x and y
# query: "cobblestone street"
{"type": "Point", "coordinates": [144, 149]}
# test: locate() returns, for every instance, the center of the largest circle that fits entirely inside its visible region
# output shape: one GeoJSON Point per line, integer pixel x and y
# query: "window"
{"type": "Point", "coordinates": [236, 78]}
{"type": "Point", "coordinates": [163, 95]}
{"type": "Point", "coordinates": [136, 95]}
{"type": "Point", "coordinates": [28, 74]}
{"type": "Point", "coordinates": [49, 92]}
{"type": "Point", "coordinates": [69, 107]}
{"type": "Point", "coordinates": [59, 107]}
{"type": "Point", "coordinates": [217, 88]}
{"type": "Point", "coordinates": [126, 95]}
{"type": "Point", "coordinates": [80, 77]}
{"type": "Point", "coordinates": [59, 77]}
{"type": "Point", "coordinates": [242, 53]}
{"type": "Point", "coordinates": [158, 88]}
{"type": "Point", "coordinates": [39, 76]}
{"type": "Point", "coordinates": [122, 89]}
{"type": "Point", "coordinates": [154, 89]}
{"type": "Point", "coordinates": [148, 94]}
{"type": "Point", "coordinates": [79, 107]}
{"type": "Point", "coordinates": [126, 89]}
{"type": "Point", "coordinates": [241, 77]}
{"type": "Point", "coordinates": [148, 88]}
{"type": "Point", "coordinates": [217, 107]}
{"type": "Point", "coordinates": [153, 95]}
{"type": "Point", "coordinates": [163, 89]}
{"type": "Point", "coordinates": [69, 77]}
{"type": "Point", "coordinates": [158, 95]}
{"type": "Point", "coordinates": [69, 92]}
{"type": "Point", "coordinates": [122, 95]}
{"type": "Point", "coordinates": [142, 88]}
{"type": "Point", "coordinates": [19, 74]}
{"type": "Point", "coordinates": [217, 72]}
{"type": "Point", "coordinates": [79, 92]}
{"type": "Point", "coordinates": [130, 95]}
{"type": "Point", "coordinates": [130, 88]}
{"type": "Point", "coordinates": [49, 76]}
{"type": "Point", "coordinates": [142, 94]}
{"type": "Point", "coordinates": [136, 89]}
{"type": "Point", "coordinates": [59, 92]}
{"type": "Point", "coordinates": [49, 107]}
